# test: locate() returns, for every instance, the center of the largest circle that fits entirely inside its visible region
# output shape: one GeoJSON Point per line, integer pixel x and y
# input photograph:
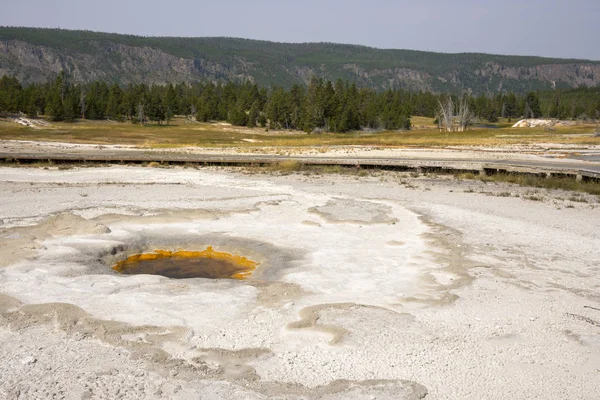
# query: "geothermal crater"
{"type": "Point", "coordinates": [182, 264]}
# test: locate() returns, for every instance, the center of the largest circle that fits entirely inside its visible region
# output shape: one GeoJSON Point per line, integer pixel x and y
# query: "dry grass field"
{"type": "Point", "coordinates": [185, 133]}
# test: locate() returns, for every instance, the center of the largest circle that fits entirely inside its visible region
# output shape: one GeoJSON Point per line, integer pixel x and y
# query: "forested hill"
{"type": "Point", "coordinates": [38, 55]}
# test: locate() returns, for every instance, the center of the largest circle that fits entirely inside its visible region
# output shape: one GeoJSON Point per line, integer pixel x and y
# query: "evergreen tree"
{"type": "Point", "coordinates": [96, 98]}
{"type": "Point", "coordinates": [492, 115]}
{"type": "Point", "coordinates": [70, 105]}
{"type": "Point", "coordinates": [262, 120]}
{"type": "Point", "coordinates": [3, 101]}
{"type": "Point", "coordinates": [32, 111]}
{"type": "Point", "coordinates": [127, 108]}
{"type": "Point", "coordinates": [511, 106]}
{"type": "Point", "coordinates": [170, 101]}
{"type": "Point", "coordinates": [113, 102]}
{"type": "Point", "coordinates": [11, 94]}
{"type": "Point", "coordinates": [155, 110]}
{"type": "Point", "coordinates": [532, 100]}
{"type": "Point", "coordinates": [253, 114]}
{"type": "Point", "coordinates": [313, 110]}
{"type": "Point", "coordinates": [237, 116]}
{"type": "Point", "coordinates": [168, 115]}
{"type": "Point", "coordinates": [55, 109]}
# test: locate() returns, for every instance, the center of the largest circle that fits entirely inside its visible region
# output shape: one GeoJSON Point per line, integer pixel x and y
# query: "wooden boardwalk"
{"type": "Point", "coordinates": [582, 170]}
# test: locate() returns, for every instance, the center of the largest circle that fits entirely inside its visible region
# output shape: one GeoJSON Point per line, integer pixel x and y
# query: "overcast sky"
{"type": "Point", "coordinates": [555, 28]}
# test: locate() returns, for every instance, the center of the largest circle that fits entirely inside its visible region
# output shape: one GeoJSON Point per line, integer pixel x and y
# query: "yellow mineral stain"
{"type": "Point", "coordinates": [183, 264]}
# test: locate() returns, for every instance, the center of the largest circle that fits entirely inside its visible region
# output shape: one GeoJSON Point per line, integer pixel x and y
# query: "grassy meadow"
{"type": "Point", "coordinates": [181, 132]}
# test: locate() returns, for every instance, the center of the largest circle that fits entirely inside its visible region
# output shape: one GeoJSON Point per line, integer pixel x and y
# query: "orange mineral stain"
{"type": "Point", "coordinates": [182, 264]}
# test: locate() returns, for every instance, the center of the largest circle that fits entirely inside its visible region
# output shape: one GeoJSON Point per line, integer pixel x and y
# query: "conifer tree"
{"type": "Point", "coordinates": [532, 100]}
{"type": "Point", "coordinates": [113, 102]}
{"type": "Point", "coordinates": [55, 108]}
{"type": "Point", "coordinates": [253, 114]}
{"type": "Point", "coordinates": [70, 105]}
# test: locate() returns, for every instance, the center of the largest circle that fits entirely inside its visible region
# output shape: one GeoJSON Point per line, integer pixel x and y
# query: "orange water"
{"type": "Point", "coordinates": [183, 264]}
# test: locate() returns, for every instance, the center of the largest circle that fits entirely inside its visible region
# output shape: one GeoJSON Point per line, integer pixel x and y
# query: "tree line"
{"type": "Point", "coordinates": [319, 106]}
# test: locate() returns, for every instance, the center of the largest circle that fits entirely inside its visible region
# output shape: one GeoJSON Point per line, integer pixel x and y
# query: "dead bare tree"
{"type": "Point", "coordinates": [438, 118]}
{"type": "Point", "coordinates": [464, 115]}
{"type": "Point", "coordinates": [82, 104]}
{"type": "Point", "coordinates": [446, 114]}
{"type": "Point", "coordinates": [140, 114]}
{"type": "Point", "coordinates": [449, 121]}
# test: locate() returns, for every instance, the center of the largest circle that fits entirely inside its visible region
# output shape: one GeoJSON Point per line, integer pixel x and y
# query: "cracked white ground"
{"type": "Point", "coordinates": [380, 286]}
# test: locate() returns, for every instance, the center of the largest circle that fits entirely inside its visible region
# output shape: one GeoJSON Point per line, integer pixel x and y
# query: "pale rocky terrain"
{"type": "Point", "coordinates": [384, 286]}
{"type": "Point", "coordinates": [518, 152]}
{"type": "Point", "coordinates": [540, 122]}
